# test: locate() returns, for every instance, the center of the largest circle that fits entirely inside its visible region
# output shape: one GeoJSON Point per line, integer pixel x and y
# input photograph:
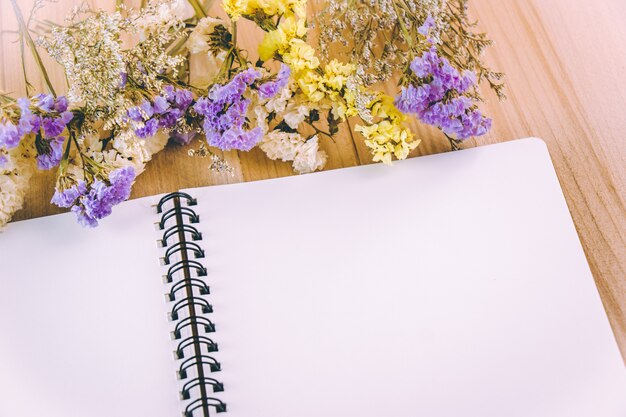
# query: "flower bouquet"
{"type": "Point", "coordinates": [129, 89]}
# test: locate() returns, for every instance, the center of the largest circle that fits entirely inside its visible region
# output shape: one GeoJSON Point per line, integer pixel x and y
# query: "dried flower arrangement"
{"type": "Point", "coordinates": [129, 92]}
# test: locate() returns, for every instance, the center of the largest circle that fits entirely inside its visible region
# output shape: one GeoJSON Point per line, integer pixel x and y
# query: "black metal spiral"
{"type": "Point", "coordinates": [186, 290]}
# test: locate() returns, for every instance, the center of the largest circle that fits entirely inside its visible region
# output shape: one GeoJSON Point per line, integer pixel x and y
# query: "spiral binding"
{"type": "Point", "coordinates": [188, 305]}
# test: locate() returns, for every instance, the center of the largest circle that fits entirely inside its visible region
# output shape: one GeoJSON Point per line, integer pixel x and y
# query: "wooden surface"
{"type": "Point", "coordinates": [565, 63]}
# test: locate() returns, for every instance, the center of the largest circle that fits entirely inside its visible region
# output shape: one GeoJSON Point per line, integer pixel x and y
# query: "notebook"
{"type": "Point", "coordinates": [444, 286]}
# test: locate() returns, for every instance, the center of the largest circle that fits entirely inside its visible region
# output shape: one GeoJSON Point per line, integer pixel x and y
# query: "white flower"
{"type": "Point", "coordinates": [278, 103]}
{"type": "Point", "coordinates": [159, 16]}
{"type": "Point", "coordinates": [210, 64]}
{"type": "Point", "coordinates": [281, 145]}
{"type": "Point", "coordinates": [295, 114]}
{"type": "Point", "coordinates": [139, 151]}
{"type": "Point", "coordinates": [306, 155]}
{"type": "Point", "coordinates": [14, 177]}
{"type": "Point", "coordinates": [309, 157]}
{"type": "Point", "coordinates": [198, 40]}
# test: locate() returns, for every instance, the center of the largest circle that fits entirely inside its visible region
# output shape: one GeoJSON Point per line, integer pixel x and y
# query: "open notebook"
{"type": "Point", "coordinates": [449, 285]}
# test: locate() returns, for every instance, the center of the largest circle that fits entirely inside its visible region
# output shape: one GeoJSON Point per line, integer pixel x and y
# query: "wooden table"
{"type": "Point", "coordinates": [565, 63]}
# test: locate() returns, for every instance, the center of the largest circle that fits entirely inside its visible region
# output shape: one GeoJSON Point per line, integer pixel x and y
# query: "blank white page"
{"type": "Point", "coordinates": [83, 327]}
{"type": "Point", "coordinates": [445, 286]}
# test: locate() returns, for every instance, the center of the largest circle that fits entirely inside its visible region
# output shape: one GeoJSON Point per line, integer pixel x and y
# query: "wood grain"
{"type": "Point", "coordinates": [565, 62]}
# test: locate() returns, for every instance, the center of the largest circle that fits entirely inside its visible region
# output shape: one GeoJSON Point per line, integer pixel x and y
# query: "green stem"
{"type": "Point", "coordinates": [25, 36]}
{"type": "Point", "coordinates": [197, 7]}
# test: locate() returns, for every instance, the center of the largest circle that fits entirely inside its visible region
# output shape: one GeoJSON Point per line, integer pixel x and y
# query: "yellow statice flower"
{"type": "Point", "coordinates": [297, 7]}
{"type": "Point", "coordinates": [336, 74]}
{"type": "Point", "coordinates": [384, 108]}
{"type": "Point", "coordinates": [386, 139]}
{"type": "Point", "coordinates": [269, 7]}
{"type": "Point", "coordinates": [279, 41]}
{"type": "Point", "coordinates": [235, 8]}
{"type": "Point", "coordinates": [300, 56]}
{"type": "Point", "coordinates": [312, 85]}
{"type": "Point", "coordinates": [274, 42]}
{"type": "Point", "coordinates": [293, 27]}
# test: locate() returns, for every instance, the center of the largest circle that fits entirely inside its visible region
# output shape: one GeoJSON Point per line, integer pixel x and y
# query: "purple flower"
{"type": "Point", "coordinates": [67, 197]}
{"type": "Point", "coordinates": [9, 135]}
{"type": "Point", "coordinates": [149, 129]}
{"type": "Point", "coordinates": [160, 105]}
{"type": "Point", "coordinates": [168, 91]}
{"type": "Point", "coordinates": [183, 98]}
{"type": "Point", "coordinates": [28, 123]}
{"type": "Point", "coordinates": [183, 138]}
{"type": "Point", "coordinates": [52, 127]}
{"type": "Point", "coordinates": [121, 183]}
{"type": "Point", "coordinates": [169, 119]}
{"type": "Point", "coordinates": [4, 159]}
{"type": "Point", "coordinates": [61, 104]}
{"type": "Point", "coordinates": [428, 24]}
{"type": "Point", "coordinates": [236, 138]}
{"type": "Point", "coordinates": [164, 111]}
{"type": "Point", "coordinates": [271, 88]}
{"type": "Point", "coordinates": [24, 104]}
{"type": "Point", "coordinates": [54, 155]}
{"type": "Point", "coordinates": [147, 109]}
{"type": "Point", "coordinates": [96, 201]}
{"type": "Point", "coordinates": [135, 114]}
{"type": "Point", "coordinates": [67, 116]}
{"type": "Point", "coordinates": [45, 102]}
{"type": "Point", "coordinates": [439, 97]}
{"type": "Point", "coordinates": [224, 112]}
{"type": "Point", "coordinates": [123, 80]}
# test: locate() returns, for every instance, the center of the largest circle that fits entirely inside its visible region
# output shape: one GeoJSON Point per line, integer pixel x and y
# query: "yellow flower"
{"type": "Point", "coordinates": [235, 8]}
{"type": "Point", "coordinates": [278, 41]}
{"type": "Point", "coordinates": [311, 85]}
{"type": "Point", "coordinates": [301, 56]}
{"type": "Point", "coordinates": [384, 108]}
{"type": "Point", "coordinates": [269, 7]}
{"type": "Point", "coordinates": [292, 27]}
{"type": "Point", "coordinates": [386, 139]}
{"type": "Point", "coordinates": [336, 74]}
{"type": "Point", "coordinates": [273, 42]}
{"type": "Point", "coordinates": [297, 7]}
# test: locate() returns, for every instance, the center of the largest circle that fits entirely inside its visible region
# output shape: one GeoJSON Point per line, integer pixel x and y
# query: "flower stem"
{"type": "Point", "coordinates": [25, 36]}
{"type": "Point", "coordinates": [197, 7]}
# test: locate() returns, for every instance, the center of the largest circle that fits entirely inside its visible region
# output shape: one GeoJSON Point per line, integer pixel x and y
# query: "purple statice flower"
{"type": "Point", "coordinates": [45, 102]}
{"type": "Point", "coordinates": [148, 130]}
{"type": "Point", "coordinates": [169, 119]}
{"type": "Point", "coordinates": [271, 88]}
{"type": "Point", "coordinates": [4, 159]}
{"type": "Point", "coordinates": [54, 126]}
{"type": "Point", "coordinates": [439, 97]}
{"type": "Point", "coordinates": [146, 108]}
{"type": "Point", "coordinates": [135, 114]}
{"type": "Point", "coordinates": [160, 104]}
{"type": "Point", "coordinates": [68, 196]}
{"type": "Point", "coordinates": [123, 80]}
{"type": "Point", "coordinates": [61, 104]}
{"type": "Point", "coordinates": [163, 112]}
{"type": "Point", "coordinates": [183, 138]}
{"type": "Point", "coordinates": [54, 155]}
{"type": "Point", "coordinates": [428, 24]}
{"type": "Point", "coordinates": [236, 138]}
{"type": "Point", "coordinates": [233, 90]}
{"type": "Point", "coordinates": [182, 98]}
{"type": "Point", "coordinates": [224, 112]}
{"type": "Point", "coordinates": [94, 202]}
{"type": "Point", "coordinates": [9, 135]}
